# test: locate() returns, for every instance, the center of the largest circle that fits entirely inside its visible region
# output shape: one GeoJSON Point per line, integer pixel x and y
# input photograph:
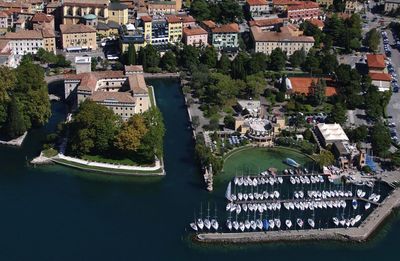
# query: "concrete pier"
{"type": "Point", "coordinates": [356, 234]}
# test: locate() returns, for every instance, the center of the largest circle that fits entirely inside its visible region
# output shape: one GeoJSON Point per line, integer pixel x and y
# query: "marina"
{"type": "Point", "coordinates": [296, 204]}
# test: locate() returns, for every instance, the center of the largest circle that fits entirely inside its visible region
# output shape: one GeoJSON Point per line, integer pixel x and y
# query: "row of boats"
{"type": "Point", "coordinates": [272, 180]}
{"type": "Point", "coordinates": [307, 180]}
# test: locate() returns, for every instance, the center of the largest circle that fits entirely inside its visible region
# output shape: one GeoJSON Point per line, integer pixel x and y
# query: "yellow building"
{"type": "Point", "coordinates": [118, 13]}
{"type": "Point", "coordinates": [74, 10]}
{"type": "Point", "coordinates": [78, 36]}
{"type": "Point", "coordinates": [147, 28]}
{"type": "Point", "coordinates": [174, 29]}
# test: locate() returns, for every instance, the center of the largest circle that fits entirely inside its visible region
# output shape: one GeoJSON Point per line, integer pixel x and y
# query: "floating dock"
{"type": "Point", "coordinates": [356, 234]}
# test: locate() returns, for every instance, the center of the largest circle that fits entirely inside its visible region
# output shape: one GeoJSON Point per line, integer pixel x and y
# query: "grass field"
{"type": "Point", "coordinates": [254, 160]}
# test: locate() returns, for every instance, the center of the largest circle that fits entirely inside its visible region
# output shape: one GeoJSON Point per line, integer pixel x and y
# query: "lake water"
{"type": "Point", "coordinates": [57, 213]}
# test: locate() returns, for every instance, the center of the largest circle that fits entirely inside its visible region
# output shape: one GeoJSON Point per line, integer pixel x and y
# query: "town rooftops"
{"type": "Point", "coordinates": [3, 14]}
{"type": "Point", "coordinates": [303, 85]}
{"type": "Point", "coordinates": [318, 23]}
{"type": "Point", "coordinates": [285, 2]}
{"type": "Point", "coordinates": [146, 18]}
{"type": "Point", "coordinates": [194, 31]}
{"type": "Point", "coordinates": [137, 83]}
{"type": "Point", "coordinates": [303, 5]}
{"type": "Point", "coordinates": [117, 6]}
{"type": "Point", "coordinates": [76, 28]}
{"type": "Point", "coordinates": [86, 3]}
{"type": "Point", "coordinates": [111, 97]}
{"type": "Point", "coordinates": [42, 18]}
{"type": "Point", "coordinates": [283, 36]}
{"type": "Point", "coordinates": [385, 77]}
{"type": "Point", "coordinates": [173, 19]}
{"type": "Point", "coordinates": [256, 2]}
{"type": "Point", "coordinates": [266, 22]}
{"type": "Point", "coordinates": [221, 28]}
{"type": "Point", "coordinates": [28, 34]}
{"type": "Point", "coordinates": [376, 61]}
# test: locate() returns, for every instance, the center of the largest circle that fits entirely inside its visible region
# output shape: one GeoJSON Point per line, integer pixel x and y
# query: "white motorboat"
{"type": "Point", "coordinates": [335, 221]}
{"type": "Point", "coordinates": [193, 226]}
{"type": "Point", "coordinates": [228, 206]}
{"type": "Point", "coordinates": [244, 207]}
{"type": "Point", "coordinates": [342, 222]}
{"type": "Point", "coordinates": [354, 203]}
{"type": "Point", "coordinates": [280, 180]}
{"type": "Point", "coordinates": [259, 224]}
{"type": "Point", "coordinates": [238, 209]}
{"type": "Point", "coordinates": [214, 224]}
{"type": "Point", "coordinates": [241, 226]}
{"type": "Point", "coordinates": [357, 218]}
{"type": "Point", "coordinates": [253, 225]}
{"type": "Point", "coordinates": [372, 196]}
{"type": "Point", "coordinates": [229, 224]}
{"type": "Point", "coordinates": [311, 222]}
{"type": "Point", "coordinates": [292, 180]}
{"type": "Point", "coordinates": [367, 205]}
{"type": "Point", "coordinates": [240, 196]}
{"type": "Point", "coordinates": [235, 225]}
{"type": "Point", "coordinates": [200, 223]}
{"type": "Point", "coordinates": [207, 223]}
{"type": "Point", "coordinates": [277, 223]}
{"type": "Point", "coordinates": [376, 198]}
{"type": "Point", "coordinates": [271, 223]}
{"type": "Point", "coordinates": [245, 196]}
{"type": "Point", "coordinates": [300, 222]}
{"type": "Point", "coordinates": [247, 224]}
{"type": "Point", "coordinates": [288, 223]}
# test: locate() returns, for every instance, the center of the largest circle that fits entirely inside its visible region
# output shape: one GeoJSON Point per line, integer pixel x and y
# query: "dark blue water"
{"type": "Point", "coordinates": [56, 213]}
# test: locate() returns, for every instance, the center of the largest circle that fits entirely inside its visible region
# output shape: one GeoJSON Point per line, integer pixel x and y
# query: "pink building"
{"type": "Point", "coordinates": [303, 10]}
{"type": "Point", "coordinates": [195, 36]}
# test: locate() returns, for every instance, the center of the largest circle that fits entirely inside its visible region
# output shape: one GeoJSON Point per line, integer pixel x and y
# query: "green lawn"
{"type": "Point", "coordinates": [254, 160]}
{"type": "Point", "coordinates": [50, 153]}
{"type": "Point", "coordinates": [106, 170]}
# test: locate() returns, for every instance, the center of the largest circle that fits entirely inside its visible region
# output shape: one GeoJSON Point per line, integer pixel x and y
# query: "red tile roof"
{"type": "Point", "coordinates": [146, 18]}
{"type": "Point", "coordinates": [385, 77]}
{"type": "Point", "coordinates": [173, 19]}
{"type": "Point", "coordinates": [376, 61]}
{"type": "Point", "coordinates": [123, 97]}
{"type": "Point", "coordinates": [302, 85]}
{"type": "Point", "coordinates": [285, 2]}
{"type": "Point", "coordinates": [318, 23]}
{"type": "Point", "coordinates": [76, 28]}
{"type": "Point", "coordinates": [256, 2]}
{"type": "Point", "coordinates": [194, 31]}
{"type": "Point", "coordinates": [42, 18]}
{"type": "Point", "coordinates": [304, 5]}
{"type": "Point", "coordinates": [223, 28]}
{"type": "Point", "coordinates": [266, 22]}
{"type": "Point", "coordinates": [3, 14]}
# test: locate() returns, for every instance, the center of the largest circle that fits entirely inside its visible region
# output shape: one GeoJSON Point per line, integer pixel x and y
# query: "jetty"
{"type": "Point", "coordinates": [355, 234]}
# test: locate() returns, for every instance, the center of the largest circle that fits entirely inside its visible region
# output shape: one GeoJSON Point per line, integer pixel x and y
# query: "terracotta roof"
{"type": "Point", "coordinates": [256, 2]}
{"type": "Point", "coordinates": [89, 80]}
{"type": "Point", "coordinates": [76, 28]}
{"type": "Point", "coordinates": [194, 31]}
{"type": "Point", "coordinates": [385, 77]}
{"type": "Point", "coordinates": [146, 18]}
{"type": "Point", "coordinates": [53, 4]}
{"type": "Point", "coordinates": [42, 18]}
{"type": "Point", "coordinates": [266, 22]}
{"type": "Point", "coordinates": [24, 34]}
{"type": "Point", "coordinates": [122, 97]}
{"type": "Point", "coordinates": [223, 28]}
{"type": "Point", "coordinates": [302, 85]}
{"type": "Point", "coordinates": [3, 14]}
{"type": "Point", "coordinates": [376, 61]}
{"type": "Point", "coordinates": [137, 83]}
{"type": "Point", "coordinates": [318, 23]}
{"type": "Point", "coordinates": [3, 44]}
{"type": "Point", "coordinates": [187, 19]}
{"type": "Point", "coordinates": [303, 5]}
{"type": "Point", "coordinates": [285, 2]}
{"type": "Point", "coordinates": [14, 4]}
{"type": "Point", "coordinates": [284, 36]}
{"type": "Point", "coordinates": [48, 33]}
{"type": "Point", "coordinates": [173, 19]}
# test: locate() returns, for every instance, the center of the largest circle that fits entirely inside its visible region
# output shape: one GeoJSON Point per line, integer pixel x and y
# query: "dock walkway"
{"type": "Point", "coordinates": [357, 234]}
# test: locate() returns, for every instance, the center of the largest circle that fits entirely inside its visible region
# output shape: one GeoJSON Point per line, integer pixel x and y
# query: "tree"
{"type": "Point", "coordinates": [311, 64]}
{"type": "Point", "coordinates": [325, 158]}
{"type": "Point", "coordinates": [153, 141]}
{"type": "Point", "coordinates": [277, 60]}
{"type": "Point", "coordinates": [338, 114]}
{"type": "Point", "coordinates": [297, 58]}
{"type": "Point", "coordinates": [311, 30]}
{"type": "Point", "coordinates": [231, 11]}
{"type": "Point", "coordinates": [149, 57]}
{"type": "Point", "coordinates": [62, 61]}
{"type": "Point", "coordinates": [257, 63]}
{"type": "Point", "coordinates": [328, 63]}
{"type": "Point", "coordinates": [45, 56]}
{"type": "Point", "coordinates": [131, 133]}
{"type": "Point", "coordinates": [229, 122]}
{"type": "Point", "coordinates": [93, 129]}
{"type": "Point", "coordinates": [209, 57]}
{"type": "Point", "coordinates": [189, 56]}
{"type": "Point", "coordinates": [372, 39]}
{"type": "Point", "coordinates": [319, 91]}
{"type": "Point", "coordinates": [200, 10]}
{"type": "Point", "coordinates": [224, 64]}
{"type": "Point", "coordinates": [358, 134]}
{"type": "Point", "coordinates": [7, 79]}
{"type": "Point", "coordinates": [238, 70]}
{"type": "Point", "coordinates": [131, 55]}
{"type": "Point", "coordinates": [255, 85]}
{"type": "Point", "coordinates": [168, 61]}
{"type": "Point", "coordinates": [380, 139]}
{"type": "Point", "coordinates": [15, 123]}
{"type": "Point", "coordinates": [339, 5]}
{"type": "Point", "coordinates": [93, 64]}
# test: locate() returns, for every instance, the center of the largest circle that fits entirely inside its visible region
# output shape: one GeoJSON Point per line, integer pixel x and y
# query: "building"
{"type": "Point", "coordinates": [29, 41]}
{"type": "Point", "coordinates": [78, 37]}
{"type": "Point", "coordinates": [353, 7]}
{"type": "Point", "coordinates": [195, 36]}
{"type": "Point", "coordinates": [42, 21]}
{"type": "Point", "coordinates": [174, 29]}
{"type": "Point", "coordinates": [83, 64]}
{"type": "Point", "coordinates": [3, 21]}
{"type": "Point", "coordinates": [328, 134]}
{"type": "Point", "coordinates": [7, 57]}
{"type": "Point", "coordinates": [74, 10]}
{"type": "Point", "coordinates": [258, 8]}
{"type": "Point", "coordinates": [288, 40]}
{"type": "Point", "coordinates": [346, 154]}
{"type": "Point", "coordinates": [223, 37]}
{"type": "Point", "coordinates": [270, 24]}
{"type": "Point", "coordinates": [162, 7]}
{"type": "Point", "coordinates": [249, 107]}
{"type": "Point", "coordinates": [391, 5]}
{"type": "Point", "coordinates": [118, 13]}
{"type": "Point", "coordinates": [136, 36]}
{"type": "Point", "coordinates": [377, 72]}
{"type": "Point", "coordinates": [124, 93]}
{"type": "Point", "coordinates": [317, 22]}
{"type": "Point", "coordinates": [303, 10]}
{"type": "Point", "coordinates": [282, 5]}
{"type": "Point", "coordinates": [304, 86]}
{"type": "Point", "coordinates": [325, 3]}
